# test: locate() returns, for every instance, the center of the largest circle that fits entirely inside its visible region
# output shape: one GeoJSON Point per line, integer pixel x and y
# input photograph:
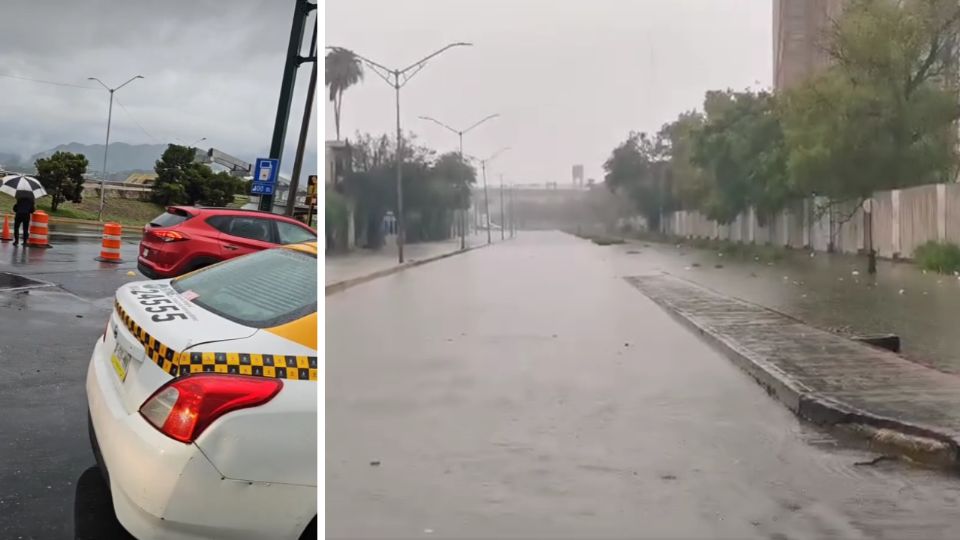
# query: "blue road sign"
{"type": "Point", "coordinates": [264, 176]}
{"type": "Point", "coordinates": [261, 188]}
{"type": "Point", "coordinates": [265, 171]}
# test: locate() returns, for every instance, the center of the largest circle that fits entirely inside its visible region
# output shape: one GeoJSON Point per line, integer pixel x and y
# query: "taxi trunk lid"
{"type": "Point", "coordinates": [151, 325]}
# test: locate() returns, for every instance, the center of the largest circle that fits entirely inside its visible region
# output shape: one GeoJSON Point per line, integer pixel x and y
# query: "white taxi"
{"type": "Point", "coordinates": [202, 395]}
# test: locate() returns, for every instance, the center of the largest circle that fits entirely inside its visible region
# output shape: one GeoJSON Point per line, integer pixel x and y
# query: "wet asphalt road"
{"type": "Point", "coordinates": [525, 390]}
{"type": "Point", "coordinates": [46, 476]}
{"type": "Point", "coordinates": [829, 291]}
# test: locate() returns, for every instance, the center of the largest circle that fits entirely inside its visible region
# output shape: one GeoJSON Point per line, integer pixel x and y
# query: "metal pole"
{"type": "Point", "coordinates": [300, 10]}
{"type": "Point", "coordinates": [401, 226]}
{"type": "Point", "coordinates": [503, 218]}
{"type": "Point", "coordinates": [513, 215]}
{"type": "Point", "coordinates": [304, 127]}
{"type": "Point", "coordinates": [486, 199]}
{"type": "Point", "coordinates": [106, 148]}
{"type": "Point", "coordinates": [463, 215]}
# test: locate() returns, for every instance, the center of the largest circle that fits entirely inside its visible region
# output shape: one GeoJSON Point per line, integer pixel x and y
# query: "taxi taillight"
{"type": "Point", "coordinates": [184, 407]}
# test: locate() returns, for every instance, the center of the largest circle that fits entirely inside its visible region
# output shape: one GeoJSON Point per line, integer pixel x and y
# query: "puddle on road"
{"type": "Point", "coordinates": [831, 292]}
{"type": "Point", "coordinates": [10, 281]}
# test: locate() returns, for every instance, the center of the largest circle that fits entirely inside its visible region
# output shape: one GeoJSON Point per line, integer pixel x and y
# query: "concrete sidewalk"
{"type": "Point", "coordinates": [363, 262]}
{"type": "Point", "coordinates": [821, 376]}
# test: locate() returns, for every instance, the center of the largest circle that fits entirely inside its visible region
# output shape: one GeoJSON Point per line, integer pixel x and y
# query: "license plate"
{"type": "Point", "coordinates": [120, 359]}
{"type": "Point", "coordinates": [146, 252]}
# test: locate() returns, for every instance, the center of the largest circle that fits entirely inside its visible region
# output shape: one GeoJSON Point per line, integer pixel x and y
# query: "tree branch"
{"type": "Point", "coordinates": [923, 73]}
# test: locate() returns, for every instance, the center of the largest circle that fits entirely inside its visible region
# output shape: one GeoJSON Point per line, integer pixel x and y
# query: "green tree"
{"type": "Point", "coordinates": [342, 69]}
{"type": "Point", "coordinates": [176, 173]}
{"type": "Point", "coordinates": [372, 183]}
{"type": "Point", "coordinates": [456, 177]}
{"type": "Point", "coordinates": [636, 169]}
{"type": "Point", "coordinates": [884, 116]}
{"type": "Point", "coordinates": [688, 182]}
{"type": "Point", "coordinates": [741, 149]}
{"type": "Point", "coordinates": [181, 180]}
{"type": "Point", "coordinates": [219, 188]}
{"type": "Point", "coordinates": [62, 177]}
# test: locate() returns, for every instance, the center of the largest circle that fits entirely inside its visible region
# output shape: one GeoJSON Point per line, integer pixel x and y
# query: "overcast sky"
{"type": "Point", "coordinates": [570, 78]}
{"type": "Point", "coordinates": [212, 69]}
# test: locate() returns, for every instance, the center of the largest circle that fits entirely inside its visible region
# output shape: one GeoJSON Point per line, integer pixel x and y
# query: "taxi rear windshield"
{"type": "Point", "coordinates": [261, 290]}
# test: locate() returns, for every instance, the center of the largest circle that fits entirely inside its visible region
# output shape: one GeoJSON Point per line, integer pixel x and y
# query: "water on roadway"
{"type": "Point", "coordinates": [525, 390]}
{"type": "Point", "coordinates": [830, 291]}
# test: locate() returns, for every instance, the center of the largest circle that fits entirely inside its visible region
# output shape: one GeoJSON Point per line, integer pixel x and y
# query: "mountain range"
{"type": "Point", "coordinates": [126, 158]}
{"type": "Point", "coordinates": [123, 156]}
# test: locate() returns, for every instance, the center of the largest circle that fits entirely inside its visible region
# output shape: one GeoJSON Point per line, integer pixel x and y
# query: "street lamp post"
{"type": "Point", "coordinates": [486, 197]}
{"type": "Point", "coordinates": [393, 78]}
{"type": "Point", "coordinates": [107, 146]}
{"type": "Point", "coordinates": [513, 215]}
{"type": "Point", "coordinates": [460, 132]}
{"type": "Point", "coordinates": [503, 218]}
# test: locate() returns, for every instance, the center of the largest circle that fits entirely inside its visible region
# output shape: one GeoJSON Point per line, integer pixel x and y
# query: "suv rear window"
{"type": "Point", "coordinates": [264, 289]}
{"type": "Point", "coordinates": [170, 218]}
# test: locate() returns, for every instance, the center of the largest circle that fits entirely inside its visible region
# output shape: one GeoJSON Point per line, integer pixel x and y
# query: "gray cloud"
{"type": "Point", "coordinates": [570, 78]}
{"type": "Point", "coordinates": [212, 70]}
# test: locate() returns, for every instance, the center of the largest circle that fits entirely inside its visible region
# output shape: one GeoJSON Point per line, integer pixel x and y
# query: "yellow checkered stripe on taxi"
{"type": "Point", "coordinates": [278, 366]}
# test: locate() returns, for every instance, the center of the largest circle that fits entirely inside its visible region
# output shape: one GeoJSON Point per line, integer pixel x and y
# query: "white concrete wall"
{"type": "Point", "coordinates": [902, 220]}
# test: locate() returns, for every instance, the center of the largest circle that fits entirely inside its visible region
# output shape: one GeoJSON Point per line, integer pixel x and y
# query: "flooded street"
{"type": "Point", "coordinates": [829, 291]}
{"type": "Point", "coordinates": [526, 390]}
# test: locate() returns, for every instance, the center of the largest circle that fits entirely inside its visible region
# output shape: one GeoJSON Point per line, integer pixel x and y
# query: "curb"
{"type": "Point", "coordinates": [345, 284]}
{"type": "Point", "coordinates": [77, 221]}
{"type": "Point", "coordinates": [917, 442]}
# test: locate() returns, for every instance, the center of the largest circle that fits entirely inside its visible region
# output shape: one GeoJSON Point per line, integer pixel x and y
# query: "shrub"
{"type": "Point", "coordinates": [943, 257]}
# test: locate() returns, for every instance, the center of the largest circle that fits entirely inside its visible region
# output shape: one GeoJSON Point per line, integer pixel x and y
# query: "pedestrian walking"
{"type": "Point", "coordinates": [22, 210]}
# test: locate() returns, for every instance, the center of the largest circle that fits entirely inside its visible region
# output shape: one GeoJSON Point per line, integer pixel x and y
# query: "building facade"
{"type": "Point", "coordinates": [799, 31]}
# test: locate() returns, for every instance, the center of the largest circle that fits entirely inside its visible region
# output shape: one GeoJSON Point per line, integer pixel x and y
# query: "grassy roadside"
{"type": "Point", "coordinates": [124, 211]}
{"type": "Point", "coordinates": [757, 252]}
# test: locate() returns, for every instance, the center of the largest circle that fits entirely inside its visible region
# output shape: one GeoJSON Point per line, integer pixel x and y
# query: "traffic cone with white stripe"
{"type": "Point", "coordinates": [110, 247]}
{"type": "Point", "coordinates": [39, 230]}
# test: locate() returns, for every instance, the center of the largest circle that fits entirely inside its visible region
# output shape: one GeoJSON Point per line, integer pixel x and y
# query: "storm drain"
{"type": "Point", "coordinates": [10, 281]}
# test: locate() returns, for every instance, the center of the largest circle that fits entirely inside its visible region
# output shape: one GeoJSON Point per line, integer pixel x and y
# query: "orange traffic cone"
{"type": "Point", "coordinates": [110, 246]}
{"type": "Point", "coordinates": [39, 230]}
{"type": "Point", "coordinates": [6, 236]}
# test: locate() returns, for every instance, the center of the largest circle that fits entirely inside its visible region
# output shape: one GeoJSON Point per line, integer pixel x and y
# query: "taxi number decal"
{"type": "Point", "coordinates": [152, 297]}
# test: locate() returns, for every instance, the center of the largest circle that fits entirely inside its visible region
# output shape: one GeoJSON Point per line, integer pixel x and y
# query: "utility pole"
{"type": "Point", "coordinates": [460, 132]}
{"type": "Point", "coordinates": [393, 78]}
{"type": "Point", "coordinates": [304, 127]}
{"type": "Point", "coordinates": [300, 11]}
{"type": "Point", "coordinates": [486, 198]}
{"type": "Point", "coordinates": [513, 215]}
{"type": "Point", "coordinates": [503, 218]}
{"type": "Point", "coordinates": [106, 147]}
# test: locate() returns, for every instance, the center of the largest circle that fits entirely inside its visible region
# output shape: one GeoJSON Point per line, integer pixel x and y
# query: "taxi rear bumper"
{"type": "Point", "coordinates": [162, 488]}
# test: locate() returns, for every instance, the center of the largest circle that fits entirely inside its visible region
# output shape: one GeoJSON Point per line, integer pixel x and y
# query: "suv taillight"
{"type": "Point", "coordinates": [170, 236]}
{"type": "Point", "coordinates": [184, 407]}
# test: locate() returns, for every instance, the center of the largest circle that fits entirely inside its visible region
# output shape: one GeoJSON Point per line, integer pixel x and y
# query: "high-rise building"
{"type": "Point", "coordinates": [799, 31]}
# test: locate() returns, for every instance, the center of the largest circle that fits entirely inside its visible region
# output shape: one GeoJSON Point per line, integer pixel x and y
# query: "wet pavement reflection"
{"type": "Point", "coordinates": [526, 390]}
{"type": "Point", "coordinates": [46, 491]}
{"type": "Point", "coordinates": [829, 291]}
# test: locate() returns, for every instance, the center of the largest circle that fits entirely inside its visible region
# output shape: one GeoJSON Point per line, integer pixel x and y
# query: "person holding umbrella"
{"type": "Point", "coordinates": [25, 190]}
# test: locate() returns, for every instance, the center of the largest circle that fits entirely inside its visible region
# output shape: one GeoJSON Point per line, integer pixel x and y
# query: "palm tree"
{"type": "Point", "coordinates": [342, 70]}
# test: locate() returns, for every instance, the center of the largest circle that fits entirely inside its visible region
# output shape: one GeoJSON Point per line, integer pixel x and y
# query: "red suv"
{"type": "Point", "coordinates": [186, 238]}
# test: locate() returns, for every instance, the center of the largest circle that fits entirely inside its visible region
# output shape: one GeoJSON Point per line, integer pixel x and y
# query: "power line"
{"type": "Point", "coordinates": [54, 83]}
{"type": "Point", "coordinates": [130, 115]}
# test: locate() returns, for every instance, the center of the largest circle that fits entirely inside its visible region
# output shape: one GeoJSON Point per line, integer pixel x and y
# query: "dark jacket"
{"type": "Point", "coordinates": [24, 207]}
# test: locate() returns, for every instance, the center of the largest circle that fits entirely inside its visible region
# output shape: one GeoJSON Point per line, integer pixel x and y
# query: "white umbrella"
{"type": "Point", "coordinates": [20, 186]}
